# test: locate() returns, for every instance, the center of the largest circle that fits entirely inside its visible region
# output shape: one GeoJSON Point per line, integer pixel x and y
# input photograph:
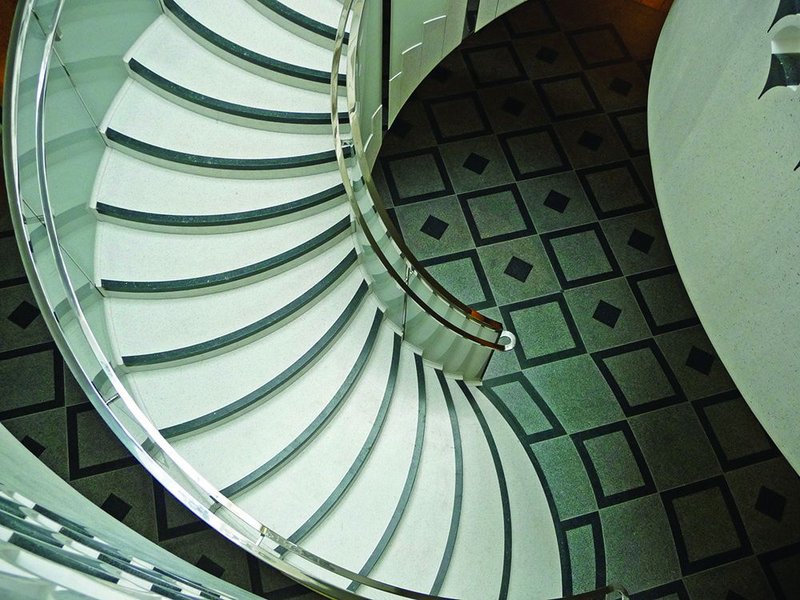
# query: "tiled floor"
{"type": "Point", "coordinates": [519, 173]}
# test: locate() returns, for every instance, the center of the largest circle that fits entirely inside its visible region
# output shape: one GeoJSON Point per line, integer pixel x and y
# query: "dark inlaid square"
{"type": "Point", "coordinates": [598, 46]}
{"type": "Point", "coordinates": [568, 96]}
{"type": "Point", "coordinates": [513, 106]}
{"type": "Point", "coordinates": [556, 201]}
{"type": "Point", "coordinates": [518, 269]}
{"type": "Point", "coordinates": [706, 525]}
{"type": "Point", "coordinates": [640, 376]}
{"type": "Point", "coordinates": [544, 328]}
{"type": "Point", "coordinates": [547, 54]}
{"type": "Point", "coordinates": [434, 227]}
{"type": "Point", "coordinates": [534, 152]}
{"type": "Point", "coordinates": [771, 503]}
{"type": "Point", "coordinates": [641, 241]}
{"type": "Point", "coordinates": [401, 128]}
{"type": "Point", "coordinates": [580, 255]}
{"type": "Point", "coordinates": [441, 74]}
{"type": "Point", "coordinates": [620, 86]}
{"type": "Point", "coordinates": [24, 314]}
{"type": "Point", "coordinates": [494, 64]}
{"type": "Point", "coordinates": [700, 360]}
{"type": "Point", "coordinates": [476, 163]}
{"type": "Point", "coordinates": [590, 140]}
{"type": "Point", "coordinates": [615, 463]}
{"type": "Point", "coordinates": [607, 314]}
{"type": "Point", "coordinates": [116, 507]}
{"type": "Point", "coordinates": [209, 566]}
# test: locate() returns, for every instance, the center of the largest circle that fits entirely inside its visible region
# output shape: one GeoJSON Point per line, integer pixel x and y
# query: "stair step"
{"type": "Point", "coordinates": [316, 20]}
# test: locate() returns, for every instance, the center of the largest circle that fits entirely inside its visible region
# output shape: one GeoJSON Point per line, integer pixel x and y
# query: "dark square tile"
{"type": "Point", "coordinates": [706, 525]}
{"type": "Point", "coordinates": [434, 227]}
{"type": "Point", "coordinates": [534, 152]}
{"type": "Point", "coordinates": [556, 202]}
{"type": "Point", "coordinates": [513, 107]}
{"type": "Point", "coordinates": [441, 74]}
{"type": "Point", "coordinates": [494, 64]}
{"type": "Point", "coordinates": [607, 314]}
{"type": "Point", "coordinates": [614, 189]}
{"type": "Point", "coordinates": [496, 215]}
{"type": "Point", "coordinates": [416, 176]}
{"type": "Point", "coordinates": [401, 128]}
{"type": "Point", "coordinates": [411, 131]}
{"type": "Point", "coordinates": [518, 269]}
{"type": "Point", "coordinates": [546, 55]}
{"type": "Point", "coordinates": [209, 566]}
{"type": "Point", "coordinates": [620, 86]}
{"type": "Point", "coordinates": [734, 432]}
{"type": "Point", "coordinates": [677, 347]}
{"type": "Point", "coordinates": [515, 395]}
{"type": "Point", "coordinates": [24, 314]}
{"type": "Point", "coordinates": [639, 376]}
{"type": "Point", "coordinates": [116, 507]}
{"type": "Point", "coordinates": [771, 503]}
{"type": "Point", "coordinates": [700, 360]}
{"type": "Point", "coordinates": [476, 163]}
{"type": "Point", "coordinates": [457, 117]}
{"type": "Point", "coordinates": [544, 328]}
{"type": "Point", "coordinates": [620, 231]}
{"type": "Point", "coordinates": [663, 300]}
{"type": "Point", "coordinates": [598, 46]}
{"type": "Point", "coordinates": [615, 464]}
{"type": "Point", "coordinates": [590, 140]}
{"type": "Point", "coordinates": [641, 241]}
{"type": "Point", "coordinates": [580, 255]}
{"type": "Point", "coordinates": [568, 96]}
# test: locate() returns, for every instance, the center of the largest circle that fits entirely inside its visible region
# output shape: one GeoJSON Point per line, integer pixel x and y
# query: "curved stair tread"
{"type": "Point", "coordinates": [203, 393]}
{"type": "Point", "coordinates": [279, 380]}
{"type": "Point", "coordinates": [243, 334]}
{"type": "Point", "coordinates": [476, 565]}
{"type": "Point", "coordinates": [413, 560]}
{"type": "Point", "coordinates": [143, 325]}
{"type": "Point", "coordinates": [320, 17]}
{"type": "Point", "coordinates": [254, 40]}
{"type": "Point", "coordinates": [130, 185]}
{"type": "Point", "coordinates": [221, 107]}
{"type": "Point", "coordinates": [133, 265]}
{"type": "Point", "coordinates": [308, 487]}
{"type": "Point", "coordinates": [177, 129]}
{"type": "Point", "coordinates": [355, 527]}
{"type": "Point", "coordinates": [536, 562]}
{"type": "Point", "coordinates": [200, 69]}
{"type": "Point", "coordinates": [307, 405]}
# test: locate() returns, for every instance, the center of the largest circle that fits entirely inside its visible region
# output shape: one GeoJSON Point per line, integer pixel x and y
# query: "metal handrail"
{"type": "Point", "coordinates": [354, 8]}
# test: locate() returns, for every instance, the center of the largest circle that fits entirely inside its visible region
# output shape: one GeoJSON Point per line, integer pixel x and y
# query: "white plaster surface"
{"type": "Point", "coordinates": [724, 167]}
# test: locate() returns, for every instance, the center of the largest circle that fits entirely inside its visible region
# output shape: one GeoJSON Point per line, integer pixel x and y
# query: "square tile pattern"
{"type": "Point", "coordinates": [518, 173]}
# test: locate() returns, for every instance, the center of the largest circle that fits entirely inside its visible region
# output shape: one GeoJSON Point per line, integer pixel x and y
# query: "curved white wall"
{"type": "Point", "coordinates": [724, 166]}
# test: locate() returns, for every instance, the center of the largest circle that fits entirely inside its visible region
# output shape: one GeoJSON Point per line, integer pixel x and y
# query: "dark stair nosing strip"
{"type": "Point", "coordinates": [145, 575]}
{"type": "Point", "coordinates": [302, 20]}
{"type": "Point", "coordinates": [208, 281]}
{"type": "Point", "coordinates": [459, 487]}
{"type": "Point", "coordinates": [253, 329]}
{"type": "Point", "coordinates": [12, 508]}
{"type": "Point", "coordinates": [294, 448]}
{"type": "Point", "coordinates": [218, 220]}
{"type": "Point", "coordinates": [501, 480]}
{"type": "Point", "coordinates": [223, 106]}
{"type": "Point", "coordinates": [276, 383]}
{"type": "Point", "coordinates": [360, 460]}
{"type": "Point", "coordinates": [230, 164]}
{"type": "Point", "coordinates": [26, 528]}
{"type": "Point", "coordinates": [72, 561]}
{"type": "Point", "coordinates": [265, 62]}
{"type": "Point", "coordinates": [411, 477]}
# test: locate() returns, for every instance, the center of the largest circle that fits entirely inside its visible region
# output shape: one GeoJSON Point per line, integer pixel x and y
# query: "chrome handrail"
{"type": "Point", "coordinates": [354, 8]}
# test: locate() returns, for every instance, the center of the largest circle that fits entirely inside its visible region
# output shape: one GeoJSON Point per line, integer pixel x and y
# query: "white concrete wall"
{"type": "Point", "coordinates": [724, 163]}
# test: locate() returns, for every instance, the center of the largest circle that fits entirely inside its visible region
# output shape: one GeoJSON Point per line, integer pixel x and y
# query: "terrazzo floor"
{"type": "Point", "coordinates": [519, 174]}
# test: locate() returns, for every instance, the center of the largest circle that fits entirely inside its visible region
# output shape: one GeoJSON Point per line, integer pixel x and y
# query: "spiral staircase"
{"type": "Point", "coordinates": [248, 349]}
